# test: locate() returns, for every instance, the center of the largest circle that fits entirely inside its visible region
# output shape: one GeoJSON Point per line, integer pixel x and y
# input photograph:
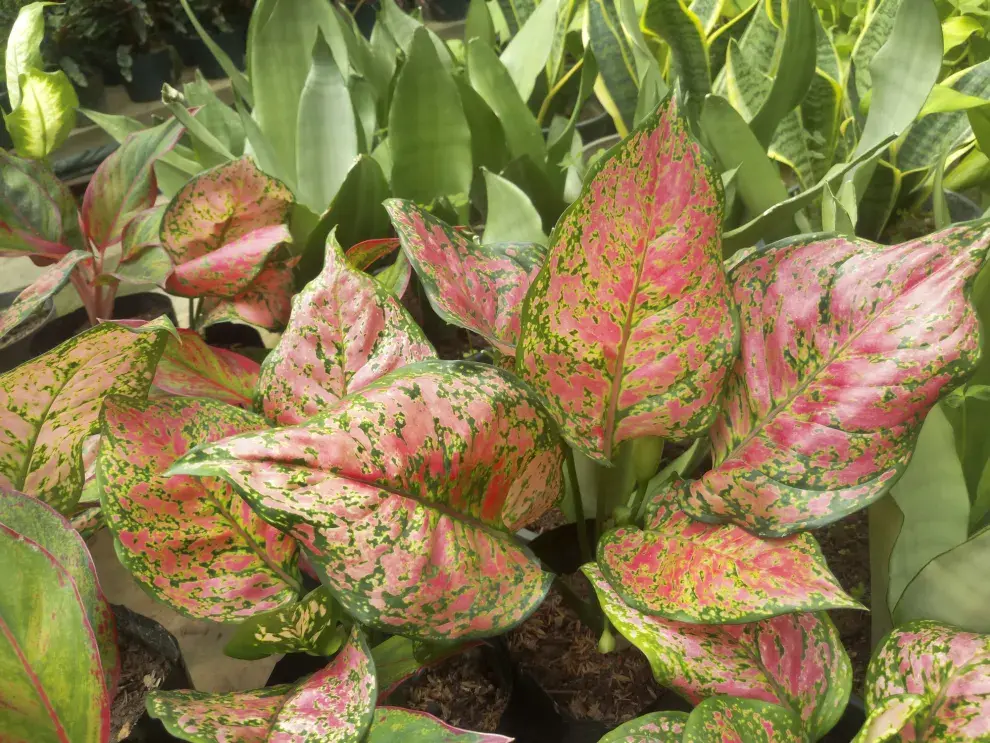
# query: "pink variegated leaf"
{"type": "Point", "coordinates": [394, 277]}
{"type": "Point", "coordinates": [45, 286]}
{"type": "Point", "coordinates": [794, 660]}
{"type": "Point", "coordinates": [38, 214]}
{"type": "Point", "coordinates": [346, 331]}
{"type": "Point", "coordinates": [734, 720]}
{"type": "Point", "coordinates": [478, 287]}
{"type": "Point", "coordinates": [266, 303]}
{"type": "Point", "coordinates": [629, 329]}
{"type": "Point", "coordinates": [396, 725]}
{"type": "Point", "coordinates": [947, 668]}
{"type": "Point", "coordinates": [407, 493]}
{"type": "Point", "coordinates": [683, 569]}
{"type": "Point", "coordinates": [202, 717]}
{"type": "Point", "coordinates": [191, 368]}
{"type": "Point", "coordinates": [87, 519]}
{"type": "Point", "coordinates": [54, 623]}
{"type": "Point", "coordinates": [125, 184]}
{"type": "Point", "coordinates": [49, 406]}
{"type": "Point", "coordinates": [886, 721]}
{"type": "Point", "coordinates": [221, 228]}
{"type": "Point", "coordinates": [143, 260]}
{"type": "Point", "coordinates": [656, 727]}
{"type": "Point", "coordinates": [846, 346]}
{"type": "Point", "coordinates": [190, 542]}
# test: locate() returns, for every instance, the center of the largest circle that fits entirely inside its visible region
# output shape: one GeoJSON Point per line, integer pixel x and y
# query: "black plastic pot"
{"type": "Point", "coordinates": [94, 94]}
{"type": "Point", "coordinates": [448, 10]}
{"type": "Point", "coordinates": [111, 74]}
{"type": "Point", "coordinates": [149, 73]}
{"type": "Point", "coordinates": [15, 348]}
{"type": "Point", "coordinates": [233, 336]}
{"type": "Point", "coordinates": [185, 47]}
{"type": "Point", "coordinates": [234, 43]}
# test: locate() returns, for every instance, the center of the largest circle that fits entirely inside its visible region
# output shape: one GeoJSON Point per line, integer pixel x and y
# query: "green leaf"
{"type": "Point", "coordinates": [143, 260]}
{"type": "Point", "coordinates": [839, 210]}
{"type": "Point", "coordinates": [879, 201]}
{"type": "Point", "coordinates": [618, 82]}
{"type": "Point", "coordinates": [116, 126]}
{"type": "Point", "coordinates": [45, 115]}
{"type": "Point", "coordinates": [671, 21]}
{"type": "Point", "coordinates": [489, 148]}
{"type": "Point", "coordinates": [708, 13]}
{"type": "Point", "coordinates": [399, 658]}
{"type": "Point", "coordinates": [885, 721]}
{"type": "Point", "coordinates": [403, 28]}
{"type": "Point", "coordinates": [526, 55]}
{"type": "Point", "coordinates": [655, 727]}
{"type": "Point", "coordinates": [516, 12]}
{"type": "Point", "coordinates": [511, 216]}
{"type": "Point", "coordinates": [478, 24]}
{"type": "Point", "coordinates": [45, 286]}
{"type": "Point", "coordinates": [721, 719]}
{"type": "Point", "coordinates": [944, 99]}
{"type": "Point", "coordinates": [879, 24]}
{"type": "Point", "coordinates": [37, 210]}
{"type": "Point", "coordinates": [396, 725]}
{"type": "Point", "coordinates": [237, 79]}
{"type": "Point", "coordinates": [23, 47]}
{"type": "Point", "coordinates": [215, 151]}
{"type": "Point", "coordinates": [308, 626]}
{"type": "Point", "coordinates": [940, 209]}
{"type": "Point", "coordinates": [957, 29]}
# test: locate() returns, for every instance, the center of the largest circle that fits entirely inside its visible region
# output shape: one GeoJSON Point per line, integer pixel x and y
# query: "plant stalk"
{"type": "Point", "coordinates": [545, 106]}
{"type": "Point", "coordinates": [582, 523]}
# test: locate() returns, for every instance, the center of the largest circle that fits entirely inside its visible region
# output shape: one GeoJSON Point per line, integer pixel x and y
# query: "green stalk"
{"type": "Point", "coordinates": [586, 554]}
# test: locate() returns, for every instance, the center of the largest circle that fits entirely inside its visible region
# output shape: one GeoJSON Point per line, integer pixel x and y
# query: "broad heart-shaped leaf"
{"type": "Point", "coordinates": [478, 287]}
{"type": "Point", "coordinates": [192, 543]}
{"type": "Point", "coordinates": [53, 686]}
{"type": "Point", "coordinates": [846, 345]}
{"type": "Point", "coordinates": [37, 211]}
{"type": "Point", "coordinates": [655, 727]}
{"type": "Point", "coordinates": [733, 720]}
{"type": "Point", "coordinates": [948, 669]}
{"type": "Point", "coordinates": [629, 329]}
{"type": "Point", "coordinates": [794, 660]}
{"type": "Point", "coordinates": [203, 717]}
{"type": "Point", "coordinates": [395, 277]}
{"type": "Point", "coordinates": [221, 228]}
{"type": "Point", "coordinates": [266, 303]}
{"type": "Point", "coordinates": [683, 569]}
{"type": "Point", "coordinates": [31, 299]}
{"type": "Point", "coordinates": [50, 405]}
{"type": "Point", "coordinates": [191, 368]}
{"type": "Point", "coordinates": [346, 331]}
{"type": "Point", "coordinates": [309, 625]}
{"type": "Point", "coordinates": [125, 184]}
{"type": "Point", "coordinates": [407, 493]}
{"type": "Point", "coordinates": [396, 725]}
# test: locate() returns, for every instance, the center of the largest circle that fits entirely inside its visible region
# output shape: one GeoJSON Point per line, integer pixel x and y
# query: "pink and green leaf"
{"type": "Point", "coordinates": [886, 721]}
{"type": "Point", "coordinates": [396, 725]}
{"type": "Point", "coordinates": [733, 720]}
{"type": "Point", "coordinates": [947, 668]}
{"type": "Point", "coordinates": [309, 625]}
{"type": "Point", "coordinates": [143, 260]}
{"type": "Point", "coordinates": [50, 405]}
{"type": "Point", "coordinates": [45, 286]}
{"type": "Point", "coordinates": [407, 494]}
{"type": "Point", "coordinates": [191, 368]}
{"type": "Point", "coordinates": [478, 287]}
{"type": "Point", "coordinates": [683, 569]}
{"type": "Point", "coordinates": [203, 717]}
{"type": "Point", "coordinates": [794, 660]}
{"type": "Point", "coordinates": [221, 228]}
{"type": "Point", "coordinates": [655, 727]}
{"type": "Point", "coordinates": [125, 184]}
{"type": "Point", "coordinates": [267, 303]}
{"type": "Point", "coordinates": [846, 346]}
{"type": "Point", "coordinates": [192, 543]}
{"type": "Point", "coordinates": [629, 329]}
{"type": "Point", "coordinates": [53, 685]}
{"type": "Point", "coordinates": [394, 277]}
{"type": "Point", "coordinates": [38, 214]}
{"type": "Point", "coordinates": [346, 332]}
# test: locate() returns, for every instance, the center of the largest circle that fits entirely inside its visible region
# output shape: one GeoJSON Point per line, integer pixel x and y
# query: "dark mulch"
{"type": "Point", "coordinates": [141, 671]}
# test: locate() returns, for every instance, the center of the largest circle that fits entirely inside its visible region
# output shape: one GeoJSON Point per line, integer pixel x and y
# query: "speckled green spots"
{"type": "Point", "coordinates": [656, 727]}
{"type": "Point", "coordinates": [311, 625]}
{"type": "Point", "coordinates": [731, 720]}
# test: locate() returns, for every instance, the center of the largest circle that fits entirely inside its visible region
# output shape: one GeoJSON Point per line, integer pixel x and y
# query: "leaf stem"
{"type": "Point", "coordinates": [638, 501]}
{"type": "Point", "coordinates": [582, 523]}
{"type": "Point", "coordinates": [545, 106]}
{"type": "Point", "coordinates": [192, 312]}
{"type": "Point", "coordinates": [591, 616]}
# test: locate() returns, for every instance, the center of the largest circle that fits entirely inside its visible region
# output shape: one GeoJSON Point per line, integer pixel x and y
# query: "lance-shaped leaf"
{"type": "Point", "coordinates": [846, 345]}
{"type": "Point", "coordinates": [191, 368]}
{"type": "Point", "coordinates": [407, 493]}
{"type": "Point", "coordinates": [656, 727]}
{"type": "Point", "coordinates": [37, 211]}
{"type": "Point", "coordinates": [683, 569]}
{"type": "Point", "coordinates": [947, 668]}
{"type": "Point", "coordinates": [396, 725]}
{"type": "Point", "coordinates": [478, 287]}
{"type": "Point", "coordinates": [125, 184]}
{"type": "Point", "coordinates": [192, 543]}
{"type": "Point", "coordinates": [395, 277]}
{"type": "Point", "coordinates": [143, 260]}
{"type": "Point", "coordinates": [309, 626]}
{"type": "Point", "coordinates": [266, 303]}
{"type": "Point", "coordinates": [221, 228]}
{"type": "Point", "coordinates": [794, 660]}
{"type": "Point", "coordinates": [732, 720]}
{"type": "Point", "coordinates": [629, 328]}
{"type": "Point", "coordinates": [53, 686]}
{"type": "Point", "coordinates": [46, 114]}
{"type": "Point", "coordinates": [346, 331]}
{"type": "Point", "coordinates": [50, 405]}
{"type": "Point", "coordinates": [202, 717]}
{"type": "Point", "coordinates": [31, 299]}
{"type": "Point", "coordinates": [399, 658]}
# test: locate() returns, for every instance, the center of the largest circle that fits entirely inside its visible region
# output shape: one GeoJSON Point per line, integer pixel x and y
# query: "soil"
{"type": "Point", "coordinates": [141, 671]}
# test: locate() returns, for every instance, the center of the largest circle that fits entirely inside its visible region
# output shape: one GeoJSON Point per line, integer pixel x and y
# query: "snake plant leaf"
{"type": "Point", "coordinates": [516, 13]}
{"type": "Point", "coordinates": [731, 720]}
{"type": "Point", "coordinates": [309, 625]}
{"type": "Point", "coordinates": [629, 328]}
{"type": "Point", "coordinates": [46, 114]}
{"type": "Point", "coordinates": [37, 211]}
{"type": "Point", "coordinates": [411, 530]}
{"type": "Point", "coordinates": [50, 405]}
{"type": "Point", "coordinates": [45, 286]}
{"type": "Point", "coordinates": [191, 368]}
{"type": "Point", "coordinates": [54, 683]}
{"type": "Point", "coordinates": [346, 332]}
{"type": "Point", "coordinates": [191, 543]}
{"type": "Point", "coordinates": [617, 85]}
{"type": "Point", "coordinates": [675, 24]}
{"type": "Point", "coordinates": [221, 228]}
{"type": "Point", "coordinates": [526, 54]}
{"type": "Point", "coordinates": [203, 717]}
{"type": "Point", "coordinates": [947, 668]}
{"type": "Point", "coordinates": [655, 727]}
{"type": "Point", "coordinates": [397, 725]}
{"type": "Point", "coordinates": [821, 413]}
{"type": "Point", "coordinates": [879, 24]}
{"type": "Point", "coordinates": [794, 660]}
{"type": "Point", "coordinates": [885, 722]}
{"type": "Point", "coordinates": [125, 184]}
{"type": "Point", "coordinates": [265, 303]}
{"type": "Point", "coordinates": [511, 216]}
{"type": "Point", "coordinates": [478, 287]}
{"type": "Point", "coordinates": [683, 569]}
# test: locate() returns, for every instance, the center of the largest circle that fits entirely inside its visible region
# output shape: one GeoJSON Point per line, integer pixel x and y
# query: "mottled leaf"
{"type": "Point", "coordinates": [192, 543]}
{"type": "Point", "coordinates": [266, 303]}
{"type": "Point", "coordinates": [683, 569]}
{"type": "Point", "coordinates": [629, 328]}
{"type": "Point", "coordinates": [478, 287]}
{"type": "Point", "coordinates": [885, 722]}
{"type": "Point", "coordinates": [846, 345]}
{"type": "Point", "coordinates": [407, 493]}
{"type": "Point", "coordinates": [395, 725]}
{"type": "Point", "coordinates": [655, 727]}
{"type": "Point", "coordinates": [394, 277]}
{"type": "Point", "coordinates": [143, 259]}
{"type": "Point", "coordinates": [731, 720]}
{"type": "Point", "coordinates": [45, 286]}
{"type": "Point", "coordinates": [795, 660]}
{"type": "Point", "coordinates": [46, 115]}
{"type": "Point", "coordinates": [346, 331]}
{"type": "Point", "coordinates": [191, 368]}
{"type": "Point", "coordinates": [49, 406]}
{"type": "Point", "coordinates": [221, 228]}
{"type": "Point", "coordinates": [306, 626]}
{"type": "Point", "coordinates": [202, 717]}
{"type": "Point", "coordinates": [37, 211]}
